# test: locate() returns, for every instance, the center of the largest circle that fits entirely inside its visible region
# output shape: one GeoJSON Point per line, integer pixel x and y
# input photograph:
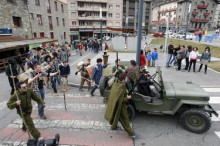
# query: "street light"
{"type": "Point", "coordinates": [187, 19]}
{"type": "Point", "coordinates": [101, 26]}
{"type": "Point", "coordinates": [167, 28]}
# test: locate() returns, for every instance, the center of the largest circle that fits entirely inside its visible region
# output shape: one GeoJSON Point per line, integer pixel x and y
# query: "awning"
{"type": "Point", "coordinates": [11, 45]}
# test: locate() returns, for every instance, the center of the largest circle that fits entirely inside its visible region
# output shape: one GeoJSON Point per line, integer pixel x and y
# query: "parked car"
{"type": "Point", "coordinates": [188, 100]}
{"type": "Point", "coordinates": [158, 35]}
{"type": "Point", "coordinates": [189, 36]}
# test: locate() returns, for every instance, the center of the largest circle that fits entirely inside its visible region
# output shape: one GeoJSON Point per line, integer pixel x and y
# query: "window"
{"type": "Point", "coordinates": [109, 15]}
{"type": "Point", "coordinates": [213, 5]}
{"type": "Point", "coordinates": [210, 18]}
{"type": "Point", "coordinates": [64, 35]}
{"type": "Point", "coordinates": [73, 5]}
{"type": "Point", "coordinates": [39, 19]}
{"type": "Point", "coordinates": [110, 7]}
{"type": "Point", "coordinates": [212, 11]}
{"type": "Point", "coordinates": [11, 1]}
{"type": "Point", "coordinates": [50, 22]}
{"type": "Point", "coordinates": [73, 14]}
{"type": "Point", "coordinates": [41, 34]}
{"type": "Point", "coordinates": [51, 35]}
{"type": "Point", "coordinates": [62, 9]}
{"type": "Point", "coordinates": [63, 22]}
{"type": "Point", "coordinates": [180, 10]}
{"type": "Point", "coordinates": [48, 6]}
{"type": "Point", "coordinates": [37, 2]}
{"type": "Point", "coordinates": [35, 34]}
{"type": "Point", "coordinates": [55, 5]}
{"type": "Point", "coordinates": [32, 15]}
{"type": "Point", "coordinates": [57, 21]}
{"type": "Point", "coordinates": [117, 15]}
{"type": "Point", "coordinates": [117, 7]}
{"type": "Point", "coordinates": [117, 23]}
{"type": "Point", "coordinates": [17, 21]}
{"type": "Point", "coordinates": [73, 23]}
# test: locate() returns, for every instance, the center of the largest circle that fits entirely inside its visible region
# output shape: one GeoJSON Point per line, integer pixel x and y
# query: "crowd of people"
{"type": "Point", "coordinates": [89, 45]}
{"type": "Point", "coordinates": [190, 54]}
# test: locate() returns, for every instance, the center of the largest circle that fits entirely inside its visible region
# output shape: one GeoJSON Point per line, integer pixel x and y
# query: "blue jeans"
{"type": "Point", "coordinates": [153, 62]}
{"type": "Point", "coordinates": [41, 94]}
{"type": "Point", "coordinates": [168, 59]}
{"type": "Point", "coordinates": [58, 80]}
{"type": "Point", "coordinates": [94, 87]}
{"type": "Point", "coordinates": [173, 60]}
{"type": "Point", "coordinates": [53, 82]}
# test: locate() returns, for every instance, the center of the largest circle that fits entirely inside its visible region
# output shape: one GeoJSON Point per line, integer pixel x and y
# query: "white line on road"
{"type": "Point", "coordinates": [217, 133]}
{"type": "Point", "coordinates": [212, 89]}
{"type": "Point", "coordinates": [80, 59]}
{"type": "Point", "coordinates": [214, 100]}
{"type": "Point", "coordinates": [3, 105]}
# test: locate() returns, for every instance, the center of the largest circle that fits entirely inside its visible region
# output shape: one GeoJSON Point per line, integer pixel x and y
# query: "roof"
{"type": "Point", "coordinates": [13, 42]}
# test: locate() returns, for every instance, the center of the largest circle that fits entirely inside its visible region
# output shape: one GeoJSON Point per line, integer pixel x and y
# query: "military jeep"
{"type": "Point", "coordinates": [187, 100]}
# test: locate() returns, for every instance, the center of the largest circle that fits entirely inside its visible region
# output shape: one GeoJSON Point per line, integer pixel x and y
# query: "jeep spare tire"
{"type": "Point", "coordinates": [195, 120]}
{"type": "Point", "coordinates": [103, 84]}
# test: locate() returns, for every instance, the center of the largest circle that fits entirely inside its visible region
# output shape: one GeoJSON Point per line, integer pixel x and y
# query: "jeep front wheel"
{"type": "Point", "coordinates": [196, 121]}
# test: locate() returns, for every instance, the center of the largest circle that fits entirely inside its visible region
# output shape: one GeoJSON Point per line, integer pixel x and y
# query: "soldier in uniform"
{"type": "Point", "coordinates": [25, 96]}
{"type": "Point", "coordinates": [117, 106]}
{"type": "Point", "coordinates": [85, 75]}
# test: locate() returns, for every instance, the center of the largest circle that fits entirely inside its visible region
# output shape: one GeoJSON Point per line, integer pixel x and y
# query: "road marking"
{"type": "Point", "coordinates": [212, 89]}
{"type": "Point", "coordinates": [214, 118]}
{"type": "Point", "coordinates": [214, 100]}
{"type": "Point", "coordinates": [75, 107]}
{"type": "Point", "coordinates": [217, 133]}
{"type": "Point", "coordinates": [80, 59]}
{"type": "Point", "coordinates": [69, 124]}
{"type": "Point", "coordinates": [3, 105]}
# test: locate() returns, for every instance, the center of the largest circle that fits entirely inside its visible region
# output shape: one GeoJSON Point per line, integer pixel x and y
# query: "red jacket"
{"type": "Point", "coordinates": [142, 60]}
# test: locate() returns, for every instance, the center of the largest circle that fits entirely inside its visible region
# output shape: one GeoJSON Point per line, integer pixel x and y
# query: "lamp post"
{"type": "Point", "coordinates": [101, 27]}
{"type": "Point", "coordinates": [167, 28]}
{"type": "Point", "coordinates": [140, 15]}
{"type": "Point", "coordinates": [187, 18]}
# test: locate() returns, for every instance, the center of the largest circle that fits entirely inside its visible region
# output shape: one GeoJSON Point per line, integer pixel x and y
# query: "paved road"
{"type": "Point", "coordinates": [83, 122]}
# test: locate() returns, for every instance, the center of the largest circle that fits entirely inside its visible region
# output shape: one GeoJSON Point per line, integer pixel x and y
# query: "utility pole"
{"type": "Point", "coordinates": [167, 28]}
{"type": "Point", "coordinates": [140, 15]}
{"type": "Point", "coordinates": [187, 18]}
{"type": "Point", "coordinates": [101, 27]}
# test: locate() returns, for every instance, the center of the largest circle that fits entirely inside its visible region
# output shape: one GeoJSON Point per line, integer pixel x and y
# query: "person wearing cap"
{"type": "Point", "coordinates": [64, 70]}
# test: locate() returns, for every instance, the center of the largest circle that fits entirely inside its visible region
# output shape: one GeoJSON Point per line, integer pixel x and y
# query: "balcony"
{"type": "Point", "coordinates": [206, 14]}
{"type": "Point", "coordinates": [202, 6]}
{"type": "Point", "coordinates": [199, 20]}
{"type": "Point", "coordinates": [91, 9]}
{"type": "Point", "coordinates": [195, 13]}
{"type": "Point", "coordinates": [91, 26]}
{"type": "Point", "coordinates": [91, 18]}
{"type": "Point", "coordinates": [97, 1]}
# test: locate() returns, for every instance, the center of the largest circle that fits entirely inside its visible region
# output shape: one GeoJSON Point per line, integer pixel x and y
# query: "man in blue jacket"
{"type": "Point", "coordinates": [97, 74]}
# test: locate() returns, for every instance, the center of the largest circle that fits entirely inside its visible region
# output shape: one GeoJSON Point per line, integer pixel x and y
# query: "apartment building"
{"type": "Point", "coordinates": [37, 18]}
{"type": "Point", "coordinates": [84, 17]}
{"type": "Point", "coordinates": [201, 15]}
{"type": "Point", "coordinates": [130, 14]}
{"type": "Point", "coordinates": [49, 18]}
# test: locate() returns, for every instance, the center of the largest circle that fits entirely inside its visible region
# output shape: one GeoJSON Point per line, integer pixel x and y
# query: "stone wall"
{"type": "Point", "coordinates": [18, 9]}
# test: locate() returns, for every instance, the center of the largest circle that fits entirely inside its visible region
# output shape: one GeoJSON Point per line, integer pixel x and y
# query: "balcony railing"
{"type": "Point", "coordinates": [206, 14]}
{"type": "Point", "coordinates": [199, 20]}
{"type": "Point", "coordinates": [167, 10]}
{"type": "Point", "coordinates": [99, 1]}
{"type": "Point", "coordinates": [91, 9]}
{"type": "Point", "coordinates": [202, 6]}
{"type": "Point", "coordinates": [195, 13]}
{"type": "Point", "coordinates": [91, 18]}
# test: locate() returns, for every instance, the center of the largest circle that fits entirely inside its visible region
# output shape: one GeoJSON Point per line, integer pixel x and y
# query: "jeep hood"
{"type": "Point", "coordinates": [185, 91]}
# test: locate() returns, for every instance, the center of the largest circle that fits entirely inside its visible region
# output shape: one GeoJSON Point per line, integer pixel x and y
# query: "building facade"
{"type": "Point", "coordinates": [130, 15]}
{"type": "Point", "coordinates": [49, 18]}
{"type": "Point", "coordinates": [14, 15]}
{"type": "Point", "coordinates": [37, 18]}
{"type": "Point", "coordinates": [85, 20]}
{"type": "Point", "coordinates": [201, 15]}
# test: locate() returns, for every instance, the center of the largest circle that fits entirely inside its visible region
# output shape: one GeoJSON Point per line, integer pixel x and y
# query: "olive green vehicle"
{"type": "Point", "coordinates": [188, 100]}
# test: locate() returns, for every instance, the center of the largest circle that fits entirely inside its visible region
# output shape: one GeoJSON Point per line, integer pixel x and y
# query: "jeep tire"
{"type": "Point", "coordinates": [131, 111]}
{"type": "Point", "coordinates": [195, 120]}
{"type": "Point", "coordinates": [103, 84]}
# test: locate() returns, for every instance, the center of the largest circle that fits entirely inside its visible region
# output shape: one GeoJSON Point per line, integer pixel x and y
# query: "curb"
{"type": "Point", "coordinates": [78, 85]}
